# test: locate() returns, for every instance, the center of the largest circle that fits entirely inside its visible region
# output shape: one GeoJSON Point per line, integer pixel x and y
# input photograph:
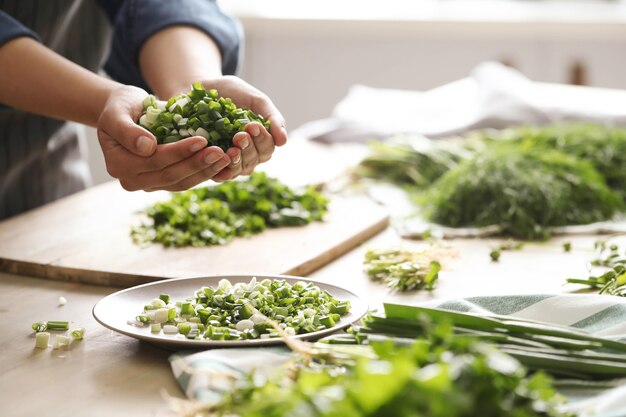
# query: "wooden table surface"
{"type": "Point", "coordinates": [109, 374]}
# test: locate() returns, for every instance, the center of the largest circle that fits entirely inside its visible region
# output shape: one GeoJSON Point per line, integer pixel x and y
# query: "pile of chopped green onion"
{"type": "Point", "coordinates": [241, 311]}
{"type": "Point", "coordinates": [402, 269]}
{"type": "Point", "coordinates": [200, 112]}
{"type": "Point", "coordinates": [214, 215]}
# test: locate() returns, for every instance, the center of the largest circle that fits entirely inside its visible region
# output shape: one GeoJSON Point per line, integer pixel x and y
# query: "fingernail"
{"type": "Point", "coordinates": [236, 159]}
{"type": "Point", "coordinates": [212, 158]}
{"type": "Point", "coordinates": [198, 145]}
{"type": "Point", "coordinates": [144, 145]}
{"type": "Point", "coordinates": [255, 130]}
{"type": "Point", "coordinates": [244, 143]}
{"type": "Point", "coordinates": [282, 129]}
{"type": "Point", "coordinates": [222, 163]}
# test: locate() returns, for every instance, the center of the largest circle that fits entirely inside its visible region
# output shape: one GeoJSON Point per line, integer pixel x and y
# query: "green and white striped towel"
{"type": "Point", "coordinates": [599, 314]}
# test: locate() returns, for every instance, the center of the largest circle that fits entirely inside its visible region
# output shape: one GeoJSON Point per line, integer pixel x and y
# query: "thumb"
{"type": "Point", "coordinates": [117, 121]}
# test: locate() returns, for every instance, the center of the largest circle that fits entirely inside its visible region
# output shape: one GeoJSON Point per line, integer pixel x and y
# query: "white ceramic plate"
{"type": "Point", "coordinates": [114, 310]}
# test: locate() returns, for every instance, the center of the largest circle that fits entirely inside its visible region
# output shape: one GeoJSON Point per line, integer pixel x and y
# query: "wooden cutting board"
{"type": "Point", "coordinates": [85, 238]}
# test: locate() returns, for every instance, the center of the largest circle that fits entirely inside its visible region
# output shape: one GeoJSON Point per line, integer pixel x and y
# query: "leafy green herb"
{"type": "Point", "coordinates": [524, 192]}
{"type": "Point", "coordinates": [200, 112]}
{"type": "Point", "coordinates": [567, 246]}
{"type": "Point", "coordinates": [441, 375]}
{"type": "Point", "coordinates": [604, 147]}
{"type": "Point", "coordinates": [241, 311]}
{"type": "Point", "coordinates": [214, 215]}
{"type": "Point", "coordinates": [402, 269]}
{"type": "Point", "coordinates": [495, 255]}
{"type": "Point", "coordinates": [413, 162]}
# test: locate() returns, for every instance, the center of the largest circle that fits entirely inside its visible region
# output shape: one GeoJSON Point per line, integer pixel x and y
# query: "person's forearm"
{"type": "Point", "coordinates": [35, 79]}
{"type": "Point", "coordinates": [175, 57]}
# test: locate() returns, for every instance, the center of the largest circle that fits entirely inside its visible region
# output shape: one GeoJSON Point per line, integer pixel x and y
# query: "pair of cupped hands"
{"type": "Point", "coordinates": [132, 155]}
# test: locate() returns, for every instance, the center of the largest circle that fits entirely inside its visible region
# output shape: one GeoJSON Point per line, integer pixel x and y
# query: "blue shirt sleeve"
{"type": "Point", "coordinates": [11, 29]}
{"type": "Point", "coordinates": [134, 21]}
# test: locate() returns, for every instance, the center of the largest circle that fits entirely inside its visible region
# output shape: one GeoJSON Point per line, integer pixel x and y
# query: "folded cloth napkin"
{"type": "Point", "coordinates": [493, 96]}
{"type": "Point", "coordinates": [205, 375]}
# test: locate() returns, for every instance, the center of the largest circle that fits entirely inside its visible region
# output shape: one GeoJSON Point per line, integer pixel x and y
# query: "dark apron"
{"type": "Point", "coordinates": [40, 158]}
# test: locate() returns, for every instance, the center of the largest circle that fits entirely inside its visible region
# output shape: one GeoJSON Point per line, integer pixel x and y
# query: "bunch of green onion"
{"type": "Point", "coordinates": [200, 112]}
{"type": "Point", "coordinates": [559, 350]}
{"type": "Point", "coordinates": [241, 311]}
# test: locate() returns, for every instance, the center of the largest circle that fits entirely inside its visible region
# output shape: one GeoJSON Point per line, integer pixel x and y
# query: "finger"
{"type": "Point", "coordinates": [249, 154]}
{"type": "Point", "coordinates": [122, 163]}
{"type": "Point", "coordinates": [262, 140]}
{"type": "Point", "coordinates": [172, 153]}
{"type": "Point", "coordinates": [278, 130]}
{"type": "Point", "coordinates": [234, 169]}
{"type": "Point", "coordinates": [173, 174]}
{"type": "Point", "coordinates": [198, 177]}
{"type": "Point", "coordinates": [261, 104]}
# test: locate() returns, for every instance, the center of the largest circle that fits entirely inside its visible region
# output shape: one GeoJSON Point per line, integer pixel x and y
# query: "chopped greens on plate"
{"type": "Point", "coordinates": [214, 215]}
{"type": "Point", "coordinates": [244, 311]}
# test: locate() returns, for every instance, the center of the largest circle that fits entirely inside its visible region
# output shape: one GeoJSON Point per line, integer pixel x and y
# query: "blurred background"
{"type": "Point", "coordinates": [306, 55]}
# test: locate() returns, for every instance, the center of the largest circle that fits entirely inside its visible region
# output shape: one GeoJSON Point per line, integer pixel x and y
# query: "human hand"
{"type": "Point", "coordinates": [132, 155]}
{"type": "Point", "coordinates": [256, 145]}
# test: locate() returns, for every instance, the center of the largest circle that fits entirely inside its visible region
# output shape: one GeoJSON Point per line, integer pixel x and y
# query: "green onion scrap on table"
{"type": "Point", "coordinates": [64, 337]}
{"type": "Point", "coordinates": [215, 215]}
{"type": "Point", "coordinates": [243, 311]}
{"type": "Point", "coordinates": [613, 280]}
{"type": "Point", "coordinates": [524, 180]}
{"type": "Point", "coordinates": [200, 112]}
{"type": "Point", "coordinates": [402, 269]}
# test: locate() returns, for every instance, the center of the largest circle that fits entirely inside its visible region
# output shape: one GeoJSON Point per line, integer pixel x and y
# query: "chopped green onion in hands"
{"type": "Point", "coordinates": [200, 112]}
